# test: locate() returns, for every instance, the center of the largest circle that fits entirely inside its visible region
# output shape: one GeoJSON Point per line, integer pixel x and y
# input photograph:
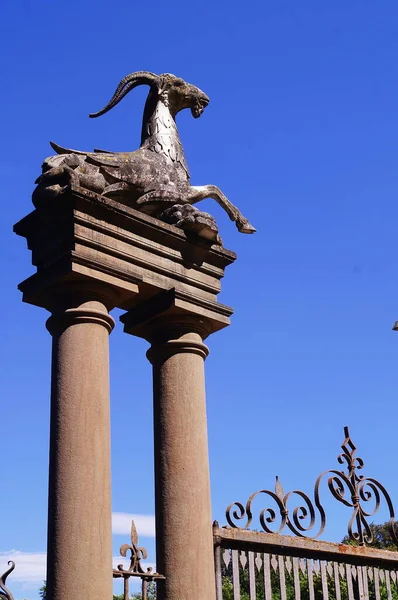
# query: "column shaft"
{"type": "Point", "coordinates": [79, 560]}
{"type": "Point", "coordinates": [182, 485]}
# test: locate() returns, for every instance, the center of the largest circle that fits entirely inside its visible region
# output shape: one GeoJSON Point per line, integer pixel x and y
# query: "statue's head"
{"type": "Point", "coordinates": [173, 91]}
{"type": "Point", "coordinates": [178, 94]}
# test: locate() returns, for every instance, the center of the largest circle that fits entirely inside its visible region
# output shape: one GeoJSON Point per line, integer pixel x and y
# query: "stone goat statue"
{"type": "Point", "coordinates": [155, 178]}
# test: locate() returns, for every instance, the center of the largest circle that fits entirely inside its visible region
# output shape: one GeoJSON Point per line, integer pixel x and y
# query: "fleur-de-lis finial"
{"type": "Point", "coordinates": [137, 553]}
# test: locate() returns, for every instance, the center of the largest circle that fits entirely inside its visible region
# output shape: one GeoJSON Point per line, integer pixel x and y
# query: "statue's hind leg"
{"type": "Point", "coordinates": [170, 208]}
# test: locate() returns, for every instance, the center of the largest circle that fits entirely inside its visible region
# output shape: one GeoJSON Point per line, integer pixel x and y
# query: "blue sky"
{"type": "Point", "coordinates": [301, 133]}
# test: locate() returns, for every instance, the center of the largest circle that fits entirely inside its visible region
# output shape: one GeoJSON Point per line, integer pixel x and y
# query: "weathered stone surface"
{"type": "Point", "coordinates": [176, 323]}
{"type": "Point", "coordinates": [79, 510]}
{"type": "Point", "coordinates": [92, 254]}
{"type": "Point", "coordinates": [184, 544]}
{"type": "Point", "coordinates": [176, 327]}
{"type": "Point", "coordinates": [189, 218]}
{"type": "Point", "coordinates": [86, 237]}
{"type": "Point", "coordinates": [154, 177]}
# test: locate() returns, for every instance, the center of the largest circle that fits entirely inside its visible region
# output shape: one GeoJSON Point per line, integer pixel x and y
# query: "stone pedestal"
{"type": "Point", "coordinates": [93, 254]}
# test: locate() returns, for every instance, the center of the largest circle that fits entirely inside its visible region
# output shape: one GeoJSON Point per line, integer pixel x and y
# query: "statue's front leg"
{"type": "Point", "coordinates": [194, 194]}
{"type": "Point", "coordinates": [198, 193]}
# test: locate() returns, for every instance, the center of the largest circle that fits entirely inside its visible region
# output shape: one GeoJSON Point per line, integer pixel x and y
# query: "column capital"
{"type": "Point", "coordinates": [88, 312]}
{"type": "Point", "coordinates": [174, 315]}
{"type": "Point", "coordinates": [190, 343]}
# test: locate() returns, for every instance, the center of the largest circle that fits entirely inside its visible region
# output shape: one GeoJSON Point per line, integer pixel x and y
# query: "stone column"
{"type": "Point", "coordinates": [79, 559]}
{"type": "Point", "coordinates": [184, 541]}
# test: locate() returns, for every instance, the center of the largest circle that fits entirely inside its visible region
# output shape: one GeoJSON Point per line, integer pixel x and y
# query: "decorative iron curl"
{"type": "Point", "coordinates": [5, 593]}
{"type": "Point", "coordinates": [236, 512]}
{"type": "Point", "coordinates": [304, 512]}
{"type": "Point", "coordinates": [356, 492]}
{"type": "Point", "coordinates": [347, 487]}
{"type": "Point", "coordinates": [301, 519]}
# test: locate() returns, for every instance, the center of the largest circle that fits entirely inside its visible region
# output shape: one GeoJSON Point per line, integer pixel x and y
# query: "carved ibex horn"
{"type": "Point", "coordinates": [127, 83]}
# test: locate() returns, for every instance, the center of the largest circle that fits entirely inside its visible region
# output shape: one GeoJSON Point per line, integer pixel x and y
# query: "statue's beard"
{"type": "Point", "coordinates": [198, 108]}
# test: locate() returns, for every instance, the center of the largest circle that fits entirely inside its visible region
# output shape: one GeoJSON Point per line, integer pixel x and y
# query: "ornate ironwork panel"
{"type": "Point", "coordinates": [259, 566]}
{"type": "Point", "coordinates": [307, 517]}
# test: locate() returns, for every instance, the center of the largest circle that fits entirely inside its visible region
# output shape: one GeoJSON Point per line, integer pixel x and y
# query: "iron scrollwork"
{"type": "Point", "coordinates": [308, 517]}
{"type": "Point", "coordinates": [5, 593]}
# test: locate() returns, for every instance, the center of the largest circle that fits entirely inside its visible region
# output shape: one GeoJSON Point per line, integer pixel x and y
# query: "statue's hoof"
{"type": "Point", "coordinates": [44, 194]}
{"type": "Point", "coordinates": [190, 219]}
{"type": "Point", "coordinates": [246, 227]}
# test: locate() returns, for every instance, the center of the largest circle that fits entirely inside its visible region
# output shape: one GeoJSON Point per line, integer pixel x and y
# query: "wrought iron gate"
{"type": "Point", "coordinates": [266, 565]}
